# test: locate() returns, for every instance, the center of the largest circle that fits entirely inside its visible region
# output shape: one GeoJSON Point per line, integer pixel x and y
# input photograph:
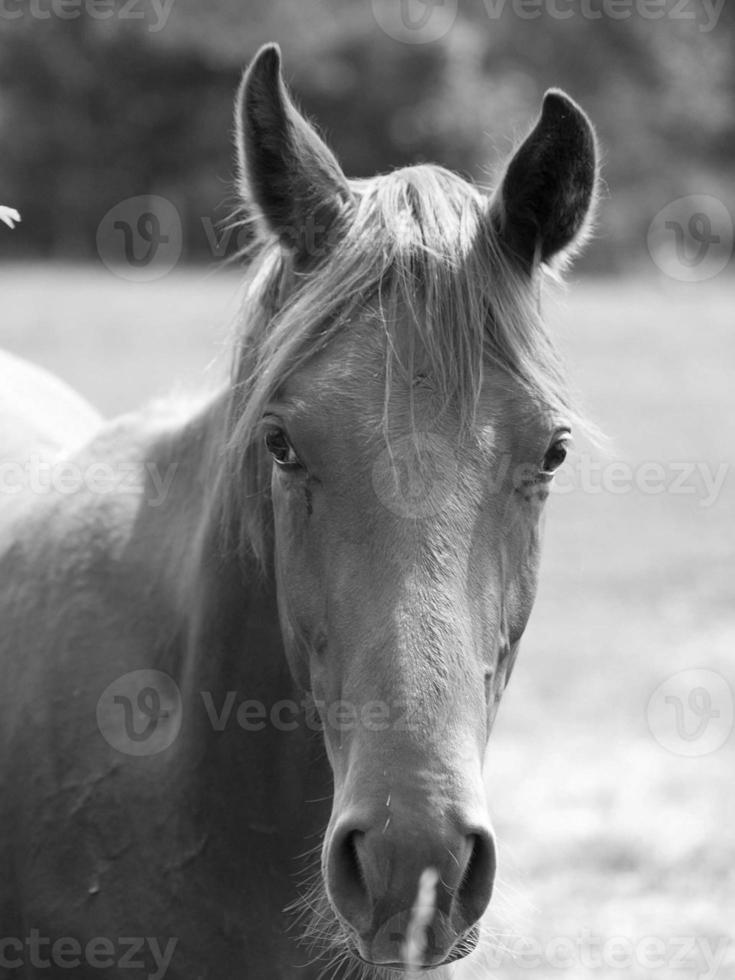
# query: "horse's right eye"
{"type": "Point", "coordinates": [278, 445]}
{"type": "Point", "coordinates": [555, 456]}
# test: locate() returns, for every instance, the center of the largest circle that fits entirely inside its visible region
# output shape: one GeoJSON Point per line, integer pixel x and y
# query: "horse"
{"type": "Point", "coordinates": [252, 648]}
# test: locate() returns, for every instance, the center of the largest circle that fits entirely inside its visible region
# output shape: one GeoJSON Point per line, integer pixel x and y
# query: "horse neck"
{"type": "Point", "coordinates": [230, 651]}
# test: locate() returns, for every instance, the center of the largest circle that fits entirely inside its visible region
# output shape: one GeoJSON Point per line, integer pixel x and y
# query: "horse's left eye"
{"type": "Point", "coordinates": [278, 445]}
{"type": "Point", "coordinates": [555, 455]}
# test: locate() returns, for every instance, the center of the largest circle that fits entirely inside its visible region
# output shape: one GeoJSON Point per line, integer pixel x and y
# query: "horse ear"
{"type": "Point", "coordinates": [544, 201]}
{"type": "Point", "coordinates": [286, 171]}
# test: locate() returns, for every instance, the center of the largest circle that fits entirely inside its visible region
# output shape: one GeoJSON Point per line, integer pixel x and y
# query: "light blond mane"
{"type": "Point", "coordinates": [422, 246]}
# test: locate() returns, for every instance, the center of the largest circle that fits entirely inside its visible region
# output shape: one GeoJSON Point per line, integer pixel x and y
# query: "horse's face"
{"type": "Point", "coordinates": [406, 555]}
{"type": "Point", "coordinates": [405, 583]}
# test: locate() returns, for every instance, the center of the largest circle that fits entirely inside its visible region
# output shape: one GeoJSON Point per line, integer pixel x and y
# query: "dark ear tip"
{"type": "Point", "coordinates": [559, 109]}
{"type": "Point", "coordinates": [265, 67]}
{"type": "Point", "coordinates": [260, 85]}
{"type": "Point", "coordinates": [268, 58]}
{"type": "Point", "coordinates": [556, 100]}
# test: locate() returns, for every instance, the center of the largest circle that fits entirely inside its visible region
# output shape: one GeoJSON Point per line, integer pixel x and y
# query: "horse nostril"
{"type": "Point", "coordinates": [475, 889]}
{"type": "Point", "coordinates": [346, 880]}
{"type": "Point", "coordinates": [372, 879]}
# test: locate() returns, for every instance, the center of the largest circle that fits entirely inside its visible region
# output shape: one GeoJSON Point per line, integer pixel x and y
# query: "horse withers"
{"type": "Point", "coordinates": [254, 671]}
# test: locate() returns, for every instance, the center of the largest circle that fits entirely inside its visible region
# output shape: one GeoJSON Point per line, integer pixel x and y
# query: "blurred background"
{"type": "Point", "coordinates": [134, 97]}
{"type": "Point", "coordinates": [611, 773]}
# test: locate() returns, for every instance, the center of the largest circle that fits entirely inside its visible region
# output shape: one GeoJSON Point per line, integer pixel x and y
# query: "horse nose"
{"type": "Point", "coordinates": [373, 869]}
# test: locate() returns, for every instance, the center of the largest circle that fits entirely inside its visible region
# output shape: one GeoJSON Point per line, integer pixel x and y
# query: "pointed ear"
{"type": "Point", "coordinates": [543, 203]}
{"type": "Point", "coordinates": [286, 171]}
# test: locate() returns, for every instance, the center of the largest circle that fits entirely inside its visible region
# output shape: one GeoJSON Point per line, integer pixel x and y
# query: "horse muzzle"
{"type": "Point", "coordinates": [373, 864]}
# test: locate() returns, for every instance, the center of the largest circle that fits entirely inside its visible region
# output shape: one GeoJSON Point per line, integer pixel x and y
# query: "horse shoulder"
{"type": "Point", "coordinates": [79, 588]}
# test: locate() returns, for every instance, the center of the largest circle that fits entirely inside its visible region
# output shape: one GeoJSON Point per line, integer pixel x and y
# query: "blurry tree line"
{"type": "Point", "coordinates": [93, 111]}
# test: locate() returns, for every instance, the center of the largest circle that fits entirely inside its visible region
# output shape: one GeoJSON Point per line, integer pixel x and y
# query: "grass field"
{"type": "Point", "coordinates": [617, 850]}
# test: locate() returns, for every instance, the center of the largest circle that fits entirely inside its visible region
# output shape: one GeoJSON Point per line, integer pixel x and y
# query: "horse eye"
{"type": "Point", "coordinates": [555, 456]}
{"type": "Point", "coordinates": [277, 444]}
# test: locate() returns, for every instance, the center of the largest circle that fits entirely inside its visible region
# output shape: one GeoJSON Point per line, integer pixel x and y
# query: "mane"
{"type": "Point", "coordinates": [420, 242]}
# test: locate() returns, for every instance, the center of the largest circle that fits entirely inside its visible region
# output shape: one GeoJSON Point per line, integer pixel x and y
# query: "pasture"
{"type": "Point", "coordinates": [616, 854]}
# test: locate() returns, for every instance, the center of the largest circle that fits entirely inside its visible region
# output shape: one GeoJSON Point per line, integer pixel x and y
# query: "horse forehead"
{"type": "Point", "coordinates": [356, 353]}
{"type": "Point", "coordinates": [347, 382]}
